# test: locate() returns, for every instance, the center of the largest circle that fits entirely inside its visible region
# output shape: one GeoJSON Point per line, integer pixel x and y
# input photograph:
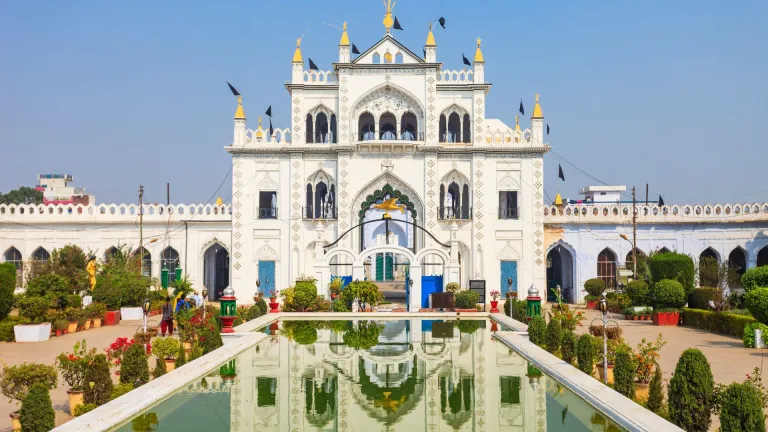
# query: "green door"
{"type": "Point", "coordinates": [389, 264]}
{"type": "Point", "coordinates": [379, 267]}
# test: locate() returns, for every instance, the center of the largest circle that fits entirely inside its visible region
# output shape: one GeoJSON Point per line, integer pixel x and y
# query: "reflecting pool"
{"type": "Point", "coordinates": [408, 375]}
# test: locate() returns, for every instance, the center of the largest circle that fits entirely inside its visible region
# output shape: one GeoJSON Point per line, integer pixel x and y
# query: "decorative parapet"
{"type": "Point", "coordinates": [652, 213]}
{"type": "Point", "coordinates": [278, 136]}
{"type": "Point", "coordinates": [318, 77]}
{"type": "Point", "coordinates": [455, 77]}
{"type": "Point", "coordinates": [128, 213]}
{"type": "Point", "coordinates": [507, 136]}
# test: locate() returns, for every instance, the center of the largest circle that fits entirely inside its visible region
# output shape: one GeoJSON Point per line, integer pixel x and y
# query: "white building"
{"type": "Point", "coordinates": [603, 194]}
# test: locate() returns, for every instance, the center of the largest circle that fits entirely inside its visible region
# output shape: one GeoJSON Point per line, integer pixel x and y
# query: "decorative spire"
{"type": "Point", "coordinates": [558, 200]}
{"type": "Point", "coordinates": [388, 21]}
{"type": "Point", "coordinates": [517, 123]}
{"type": "Point", "coordinates": [297, 58]}
{"type": "Point", "coordinates": [430, 38]}
{"type": "Point", "coordinates": [239, 113]}
{"type": "Point", "coordinates": [479, 53]}
{"type": "Point", "coordinates": [344, 38]}
{"type": "Point", "coordinates": [537, 113]}
{"type": "Point", "coordinates": [219, 201]}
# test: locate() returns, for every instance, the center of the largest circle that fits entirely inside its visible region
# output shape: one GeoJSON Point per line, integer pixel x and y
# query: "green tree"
{"type": "Point", "coordinates": [554, 336]}
{"type": "Point", "coordinates": [568, 346]}
{"type": "Point", "coordinates": [98, 382]}
{"type": "Point", "coordinates": [691, 392]}
{"type": "Point", "coordinates": [537, 330]}
{"type": "Point", "coordinates": [37, 413]}
{"type": "Point", "coordinates": [624, 372]}
{"type": "Point", "coordinates": [757, 303]}
{"type": "Point", "coordinates": [585, 354]}
{"type": "Point", "coordinates": [742, 410]}
{"type": "Point", "coordinates": [673, 265]}
{"type": "Point", "coordinates": [7, 286]}
{"type": "Point", "coordinates": [22, 195]}
{"type": "Point", "coordinates": [655, 391]}
{"type": "Point", "coordinates": [134, 368]}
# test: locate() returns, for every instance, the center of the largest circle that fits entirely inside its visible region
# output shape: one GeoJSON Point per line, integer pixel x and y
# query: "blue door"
{"type": "Point", "coordinates": [508, 270]}
{"type": "Point", "coordinates": [429, 285]}
{"type": "Point", "coordinates": [267, 277]}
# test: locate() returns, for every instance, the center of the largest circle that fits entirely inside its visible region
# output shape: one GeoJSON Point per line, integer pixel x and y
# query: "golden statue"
{"type": "Point", "coordinates": [388, 21]}
{"type": "Point", "coordinates": [390, 204]}
{"type": "Point", "coordinates": [91, 269]}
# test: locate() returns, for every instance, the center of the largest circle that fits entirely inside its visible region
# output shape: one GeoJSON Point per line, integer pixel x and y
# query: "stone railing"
{"type": "Point", "coordinates": [652, 213]}
{"type": "Point", "coordinates": [279, 136]}
{"type": "Point", "coordinates": [114, 213]}
{"type": "Point", "coordinates": [320, 77]}
{"type": "Point", "coordinates": [456, 77]}
{"type": "Point", "coordinates": [507, 136]}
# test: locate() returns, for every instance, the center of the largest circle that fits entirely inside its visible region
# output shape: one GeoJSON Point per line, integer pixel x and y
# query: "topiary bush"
{"type": "Point", "coordinates": [37, 413]}
{"type": "Point", "coordinates": [585, 354]}
{"type": "Point", "coordinates": [757, 303]}
{"type": "Point", "coordinates": [668, 293]}
{"type": "Point", "coordinates": [568, 346]}
{"type": "Point", "coordinates": [467, 299]}
{"type": "Point", "coordinates": [305, 293]}
{"type": "Point", "coordinates": [594, 287]}
{"type": "Point", "coordinates": [181, 357]}
{"type": "Point", "coordinates": [700, 297]}
{"type": "Point", "coordinates": [637, 291]}
{"type": "Point", "coordinates": [15, 381]}
{"type": "Point", "coordinates": [537, 329]}
{"type": "Point", "coordinates": [756, 277]}
{"type": "Point", "coordinates": [742, 409]}
{"type": "Point", "coordinates": [35, 309]}
{"type": "Point", "coordinates": [133, 367]}
{"type": "Point", "coordinates": [691, 392]}
{"type": "Point", "coordinates": [452, 287]}
{"type": "Point", "coordinates": [98, 382]}
{"type": "Point", "coordinates": [554, 335]}
{"type": "Point", "coordinates": [673, 265]}
{"type": "Point", "coordinates": [656, 391]}
{"type": "Point", "coordinates": [159, 369]}
{"type": "Point", "coordinates": [7, 286]}
{"type": "Point", "coordinates": [624, 372]}
{"type": "Point", "coordinates": [84, 408]}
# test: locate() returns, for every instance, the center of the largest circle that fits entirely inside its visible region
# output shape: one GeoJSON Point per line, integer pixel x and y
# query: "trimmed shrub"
{"type": "Point", "coordinates": [133, 367]}
{"type": "Point", "coordinates": [120, 390]}
{"type": "Point", "coordinates": [637, 291]}
{"type": "Point", "coordinates": [568, 346]}
{"type": "Point", "coordinates": [84, 408]}
{"type": "Point", "coordinates": [656, 391]}
{"type": "Point", "coordinates": [756, 277]}
{"type": "Point", "coordinates": [691, 392]}
{"type": "Point", "coordinates": [452, 287]}
{"type": "Point", "coordinates": [166, 347]}
{"type": "Point", "coordinates": [305, 293]}
{"type": "Point", "coordinates": [37, 413]}
{"type": "Point", "coordinates": [585, 354]}
{"type": "Point", "coordinates": [516, 309]}
{"type": "Point", "coordinates": [181, 357]}
{"type": "Point", "coordinates": [594, 287]}
{"type": "Point", "coordinates": [757, 303]}
{"type": "Point", "coordinates": [15, 381]}
{"type": "Point", "coordinates": [554, 336]}
{"type": "Point", "coordinates": [700, 297]}
{"type": "Point", "coordinates": [742, 410]}
{"type": "Point", "coordinates": [537, 329]}
{"type": "Point", "coordinates": [624, 373]}
{"type": "Point", "coordinates": [159, 369]}
{"type": "Point", "coordinates": [6, 328]}
{"type": "Point", "coordinates": [7, 286]}
{"type": "Point", "coordinates": [34, 309]}
{"type": "Point", "coordinates": [466, 299]}
{"type": "Point", "coordinates": [668, 293]}
{"type": "Point", "coordinates": [718, 322]}
{"type": "Point", "coordinates": [673, 265]}
{"type": "Point", "coordinates": [749, 333]}
{"type": "Point", "coordinates": [98, 382]}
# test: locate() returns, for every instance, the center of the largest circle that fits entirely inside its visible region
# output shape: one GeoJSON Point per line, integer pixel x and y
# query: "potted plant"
{"type": "Point", "coordinates": [669, 296]}
{"type": "Point", "coordinates": [35, 309]}
{"type": "Point", "coordinates": [96, 311]}
{"type": "Point", "coordinates": [595, 288]}
{"type": "Point", "coordinates": [335, 287]}
{"type": "Point", "coordinates": [274, 306]}
{"type": "Point", "coordinates": [466, 301]}
{"type": "Point", "coordinates": [59, 326]}
{"type": "Point", "coordinates": [495, 302]}
{"type": "Point", "coordinates": [647, 314]}
{"type": "Point", "coordinates": [167, 348]}
{"type": "Point", "coordinates": [628, 312]}
{"type": "Point", "coordinates": [15, 382]}
{"type": "Point", "coordinates": [73, 367]}
{"type": "Point", "coordinates": [646, 359]}
{"type": "Point", "coordinates": [74, 316]}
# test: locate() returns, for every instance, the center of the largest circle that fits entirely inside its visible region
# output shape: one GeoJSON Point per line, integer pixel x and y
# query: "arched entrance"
{"type": "Point", "coordinates": [737, 261]}
{"type": "Point", "coordinates": [215, 270]}
{"type": "Point", "coordinates": [560, 272]}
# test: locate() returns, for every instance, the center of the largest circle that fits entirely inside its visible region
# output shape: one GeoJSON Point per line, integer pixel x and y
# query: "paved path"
{"type": "Point", "coordinates": [46, 352]}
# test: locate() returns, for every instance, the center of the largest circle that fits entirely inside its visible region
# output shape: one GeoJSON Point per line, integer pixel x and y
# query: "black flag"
{"type": "Point", "coordinates": [355, 50]}
{"type": "Point", "coordinates": [269, 111]}
{"type": "Point", "coordinates": [234, 91]}
{"type": "Point", "coordinates": [424, 50]}
{"type": "Point", "coordinates": [522, 110]}
{"type": "Point", "coordinates": [271, 131]}
{"type": "Point", "coordinates": [312, 65]}
{"type": "Point", "coordinates": [466, 60]}
{"type": "Point", "coordinates": [547, 128]}
{"type": "Point", "coordinates": [442, 22]}
{"type": "Point", "coordinates": [560, 172]}
{"type": "Point", "coordinates": [397, 25]}
{"type": "Point", "coordinates": [661, 201]}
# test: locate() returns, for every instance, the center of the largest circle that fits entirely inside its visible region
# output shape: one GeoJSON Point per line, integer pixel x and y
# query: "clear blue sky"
{"type": "Point", "coordinates": [672, 93]}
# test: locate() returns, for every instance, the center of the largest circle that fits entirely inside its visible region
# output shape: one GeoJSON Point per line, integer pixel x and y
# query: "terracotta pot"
{"type": "Point", "coordinates": [72, 327]}
{"type": "Point", "coordinates": [65, 331]}
{"type": "Point", "coordinates": [628, 317]}
{"type": "Point", "coordinates": [666, 318]}
{"type": "Point", "coordinates": [494, 306]}
{"type": "Point", "coordinates": [641, 392]}
{"type": "Point", "coordinates": [87, 324]}
{"type": "Point", "coordinates": [646, 317]}
{"type": "Point", "coordinates": [15, 423]}
{"type": "Point", "coordinates": [112, 318]}
{"type": "Point", "coordinates": [96, 323]}
{"type": "Point", "coordinates": [333, 296]}
{"type": "Point", "coordinates": [170, 364]}
{"type": "Point", "coordinates": [592, 304]}
{"type": "Point", "coordinates": [75, 399]}
{"type": "Point", "coordinates": [601, 373]}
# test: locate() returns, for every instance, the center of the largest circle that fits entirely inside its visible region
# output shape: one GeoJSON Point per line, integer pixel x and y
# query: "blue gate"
{"type": "Point", "coordinates": [429, 285]}
{"type": "Point", "coordinates": [266, 277]}
{"type": "Point", "coordinates": [508, 270]}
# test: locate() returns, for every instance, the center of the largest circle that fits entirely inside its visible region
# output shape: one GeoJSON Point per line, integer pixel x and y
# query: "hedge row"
{"type": "Point", "coordinates": [722, 323]}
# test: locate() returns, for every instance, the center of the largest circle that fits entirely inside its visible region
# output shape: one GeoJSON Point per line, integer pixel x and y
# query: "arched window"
{"type": "Point", "coordinates": [13, 256]}
{"type": "Point", "coordinates": [388, 126]}
{"type": "Point", "coordinates": [465, 202]}
{"type": "Point", "coordinates": [321, 128]}
{"type": "Point", "coordinates": [442, 128]}
{"type": "Point", "coordinates": [398, 58]}
{"type": "Point", "coordinates": [737, 260]}
{"type": "Point", "coordinates": [762, 257]}
{"type": "Point", "coordinates": [408, 127]}
{"type": "Point", "coordinates": [308, 209]}
{"type": "Point", "coordinates": [454, 128]}
{"type": "Point", "coordinates": [333, 129]}
{"type": "Point", "coordinates": [366, 127]}
{"type": "Point", "coordinates": [41, 255]}
{"type": "Point", "coordinates": [170, 260]}
{"type": "Point", "coordinates": [442, 201]}
{"type": "Point", "coordinates": [452, 201]}
{"type": "Point", "coordinates": [606, 267]}
{"type": "Point", "coordinates": [321, 197]}
{"type": "Point", "coordinates": [110, 253]}
{"type": "Point", "coordinates": [709, 268]}
{"type": "Point", "coordinates": [310, 134]}
{"type": "Point", "coordinates": [376, 58]}
{"type": "Point", "coordinates": [664, 250]}
{"type": "Point", "coordinates": [332, 201]}
{"type": "Point", "coordinates": [467, 129]}
{"type": "Point", "coordinates": [146, 261]}
{"type": "Point", "coordinates": [640, 258]}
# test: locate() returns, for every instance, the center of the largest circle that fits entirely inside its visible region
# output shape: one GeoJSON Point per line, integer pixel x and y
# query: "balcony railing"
{"type": "Point", "coordinates": [509, 212]}
{"type": "Point", "coordinates": [391, 136]}
{"type": "Point", "coordinates": [454, 213]}
{"type": "Point", "coordinates": [268, 213]}
{"type": "Point", "coordinates": [322, 212]}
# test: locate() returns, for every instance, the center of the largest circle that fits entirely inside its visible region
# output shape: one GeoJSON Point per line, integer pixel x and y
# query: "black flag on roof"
{"type": "Point", "coordinates": [424, 50]}
{"type": "Point", "coordinates": [560, 172]}
{"type": "Point", "coordinates": [269, 111]}
{"type": "Point", "coordinates": [661, 201]}
{"type": "Point", "coordinates": [522, 110]}
{"type": "Point", "coordinates": [397, 25]}
{"type": "Point", "coordinates": [442, 22]}
{"type": "Point", "coordinates": [355, 50]}
{"type": "Point", "coordinates": [312, 65]}
{"type": "Point", "coordinates": [547, 128]}
{"type": "Point", "coordinates": [271, 131]}
{"type": "Point", "coordinates": [466, 60]}
{"type": "Point", "coordinates": [234, 91]}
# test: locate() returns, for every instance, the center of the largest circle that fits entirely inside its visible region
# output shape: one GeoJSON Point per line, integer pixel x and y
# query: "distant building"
{"type": "Point", "coordinates": [58, 189]}
{"type": "Point", "coordinates": [602, 194]}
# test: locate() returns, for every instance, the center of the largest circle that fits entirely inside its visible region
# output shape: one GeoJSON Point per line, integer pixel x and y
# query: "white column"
{"type": "Point", "coordinates": [414, 292]}
{"type": "Point", "coordinates": [239, 138]}
{"type": "Point", "coordinates": [451, 272]}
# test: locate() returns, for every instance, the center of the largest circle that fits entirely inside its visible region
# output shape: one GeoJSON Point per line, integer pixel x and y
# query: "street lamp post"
{"type": "Point", "coordinates": [603, 306]}
{"type": "Point", "coordinates": [205, 296]}
{"type": "Point", "coordinates": [634, 255]}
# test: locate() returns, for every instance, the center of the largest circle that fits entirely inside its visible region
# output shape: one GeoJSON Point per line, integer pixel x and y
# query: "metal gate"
{"type": "Point", "coordinates": [429, 285]}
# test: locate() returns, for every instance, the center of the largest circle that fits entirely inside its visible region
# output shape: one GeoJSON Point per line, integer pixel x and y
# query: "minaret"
{"type": "Point", "coordinates": [537, 124]}
{"type": "Point", "coordinates": [479, 75]}
{"type": "Point", "coordinates": [240, 139]}
{"type": "Point", "coordinates": [344, 46]}
{"type": "Point", "coordinates": [430, 47]}
{"type": "Point", "coordinates": [298, 63]}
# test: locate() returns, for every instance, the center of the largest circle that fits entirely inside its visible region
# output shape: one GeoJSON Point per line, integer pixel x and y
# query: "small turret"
{"type": "Point", "coordinates": [430, 47]}
{"type": "Point", "coordinates": [240, 123]}
{"type": "Point", "coordinates": [344, 45]}
{"type": "Point", "coordinates": [537, 124]}
{"type": "Point", "coordinates": [479, 65]}
{"type": "Point", "coordinates": [298, 63]}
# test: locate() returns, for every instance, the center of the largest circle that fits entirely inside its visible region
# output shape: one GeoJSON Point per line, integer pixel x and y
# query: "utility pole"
{"type": "Point", "coordinates": [634, 233]}
{"type": "Point", "coordinates": [141, 227]}
{"type": "Point", "coordinates": [168, 193]}
{"type": "Point", "coordinates": [646, 194]}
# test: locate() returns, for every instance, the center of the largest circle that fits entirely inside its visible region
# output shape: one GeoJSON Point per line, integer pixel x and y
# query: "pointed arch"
{"type": "Point", "coordinates": [333, 139]}
{"type": "Point", "coordinates": [640, 257]}
{"type": "Point", "coordinates": [762, 256]}
{"type": "Point", "coordinates": [310, 129]}
{"type": "Point", "coordinates": [737, 259]}
{"type": "Point", "coordinates": [169, 259]}
{"type": "Point", "coordinates": [664, 249]}
{"type": "Point", "coordinates": [13, 256]}
{"type": "Point", "coordinates": [387, 97]}
{"type": "Point", "coordinates": [41, 255]}
{"type": "Point", "coordinates": [321, 128]}
{"type": "Point", "coordinates": [146, 261]}
{"type": "Point", "coordinates": [454, 128]}
{"type": "Point", "coordinates": [442, 128]}
{"type": "Point", "coordinates": [606, 267]}
{"type": "Point", "coordinates": [110, 253]}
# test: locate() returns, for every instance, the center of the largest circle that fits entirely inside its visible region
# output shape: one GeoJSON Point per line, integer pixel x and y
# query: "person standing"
{"type": "Point", "coordinates": [167, 321]}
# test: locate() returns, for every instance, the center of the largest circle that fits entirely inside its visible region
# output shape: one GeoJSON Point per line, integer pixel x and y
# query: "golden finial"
{"type": "Point", "coordinates": [219, 201]}
{"type": "Point", "coordinates": [430, 38]}
{"type": "Point", "coordinates": [239, 113]}
{"type": "Point", "coordinates": [558, 200]}
{"type": "Point", "coordinates": [388, 21]}
{"type": "Point", "coordinates": [297, 58]}
{"type": "Point", "coordinates": [517, 123]}
{"type": "Point", "coordinates": [478, 53]}
{"type": "Point", "coordinates": [259, 130]}
{"type": "Point", "coordinates": [537, 113]}
{"type": "Point", "coordinates": [344, 38]}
